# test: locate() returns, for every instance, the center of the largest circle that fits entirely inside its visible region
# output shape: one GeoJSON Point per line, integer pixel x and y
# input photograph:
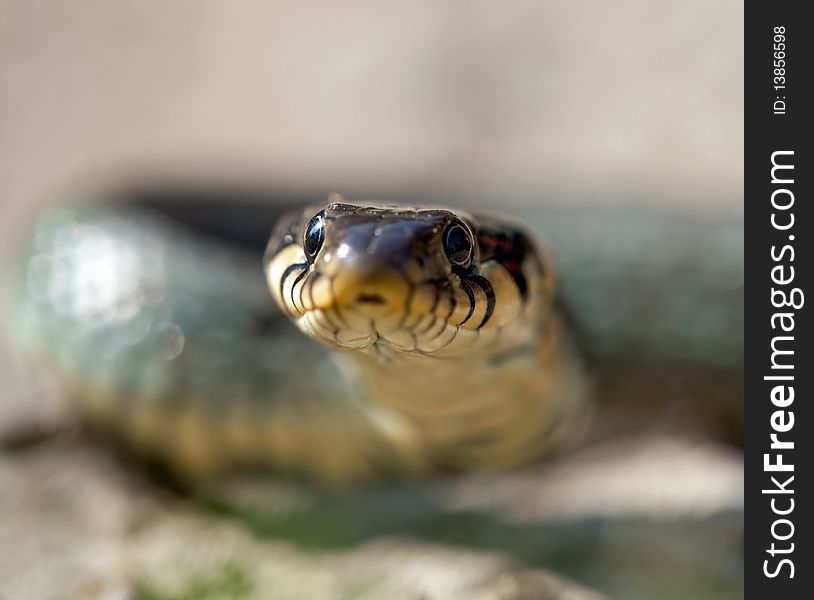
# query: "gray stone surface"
{"type": "Point", "coordinates": [78, 525]}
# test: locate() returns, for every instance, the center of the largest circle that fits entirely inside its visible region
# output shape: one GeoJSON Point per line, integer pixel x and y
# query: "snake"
{"type": "Point", "coordinates": [354, 339]}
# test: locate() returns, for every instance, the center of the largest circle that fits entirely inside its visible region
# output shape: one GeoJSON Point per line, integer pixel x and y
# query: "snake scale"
{"type": "Point", "coordinates": [400, 339]}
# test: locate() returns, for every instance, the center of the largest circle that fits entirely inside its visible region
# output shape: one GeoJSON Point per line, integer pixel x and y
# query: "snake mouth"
{"type": "Point", "coordinates": [373, 299]}
{"type": "Point", "coordinates": [417, 322]}
{"type": "Point", "coordinates": [354, 307]}
{"type": "Point", "coordinates": [369, 289]}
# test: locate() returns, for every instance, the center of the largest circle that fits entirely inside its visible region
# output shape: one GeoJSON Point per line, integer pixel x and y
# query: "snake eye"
{"type": "Point", "coordinates": [458, 243]}
{"type": "Point", "coordinates": [314, 236]}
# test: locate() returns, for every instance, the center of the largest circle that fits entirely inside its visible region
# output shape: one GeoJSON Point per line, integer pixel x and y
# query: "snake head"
{"type": "Point", "coordinates": [407, 279]}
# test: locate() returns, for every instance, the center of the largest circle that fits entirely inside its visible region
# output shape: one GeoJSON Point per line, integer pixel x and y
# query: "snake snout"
{"type": "Point", "coordinates": [367, 267]}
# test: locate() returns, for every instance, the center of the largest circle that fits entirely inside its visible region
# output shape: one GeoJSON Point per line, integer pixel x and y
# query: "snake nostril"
{"type": "Point", "coordinates": [369, 299]}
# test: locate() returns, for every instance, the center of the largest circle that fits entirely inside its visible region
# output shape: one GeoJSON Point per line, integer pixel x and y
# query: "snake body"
{"type": "Point", "coordinates": [438, 338]}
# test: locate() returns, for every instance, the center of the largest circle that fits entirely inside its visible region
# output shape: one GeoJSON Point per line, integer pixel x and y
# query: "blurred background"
{"type": "Point", "coordinates": [632, 103]}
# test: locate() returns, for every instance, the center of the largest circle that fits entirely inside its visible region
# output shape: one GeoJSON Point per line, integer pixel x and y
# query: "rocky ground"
{"type": "Point", "coordinates": [634, 519]}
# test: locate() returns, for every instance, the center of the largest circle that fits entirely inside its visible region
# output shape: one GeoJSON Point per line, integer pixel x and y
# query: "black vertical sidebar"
{"type": "Point", "coordinates": [779, 224]}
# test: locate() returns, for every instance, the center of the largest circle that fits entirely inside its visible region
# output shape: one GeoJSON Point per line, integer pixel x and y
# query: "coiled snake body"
{"type": "Point", "coordinates": [442, 344]}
